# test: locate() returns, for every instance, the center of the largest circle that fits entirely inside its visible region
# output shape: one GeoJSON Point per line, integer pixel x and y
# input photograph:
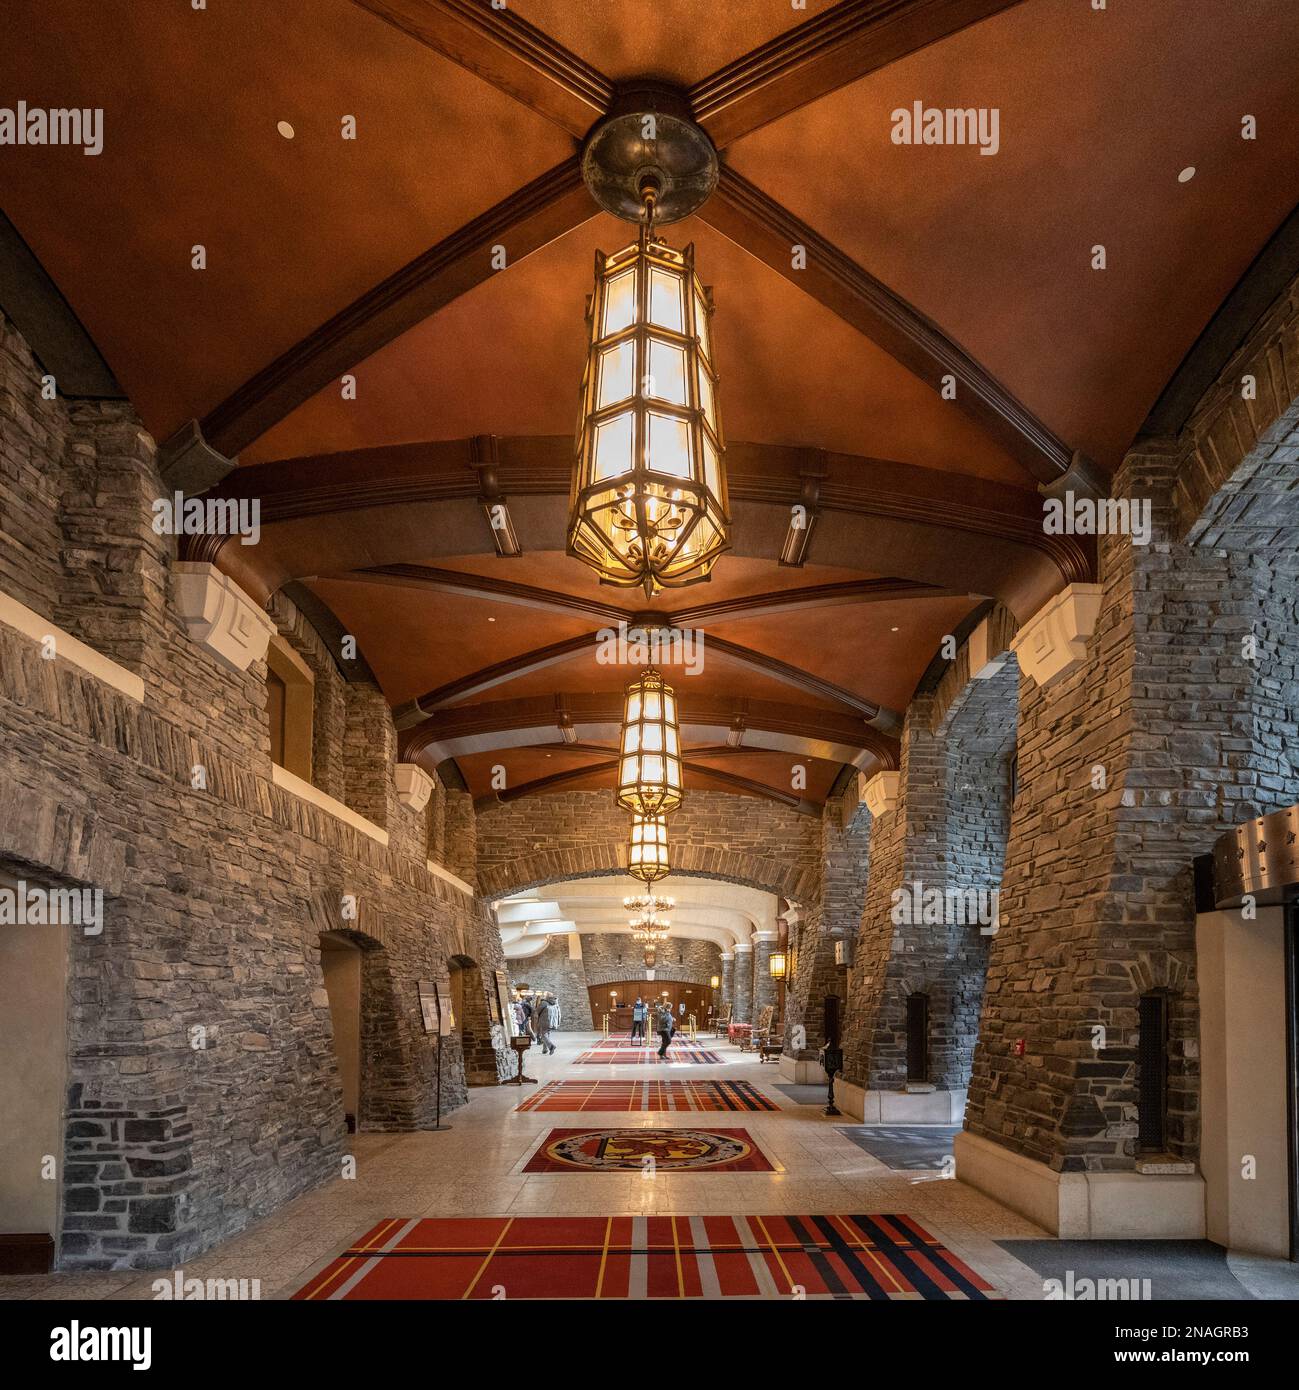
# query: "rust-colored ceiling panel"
{"type": "Point", "coordinates": [294, 229]}
{"type": "Point", "coordinates": [857, 647]}
{"type": "Point", "coordinates": [416, 642]}
{"type": "Point", "coordinates": [523, 765]}
{"type": "Point", "coordinates": [1099, 112]}
{"type": "Point", "coordinates": [677, 40]}
{"type": "Point", "coordinates": [507, 359]}
{"type": "Point", "coordinates": [810, 779]}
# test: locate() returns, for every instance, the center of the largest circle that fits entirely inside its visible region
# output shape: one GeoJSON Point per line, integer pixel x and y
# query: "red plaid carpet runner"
{"type": "Point", "coordinates": [560, 1257]}
{"type": "Point", "coordinates": [648, 1095]}
{"type": "Point", "coordinates": [619, 1052]}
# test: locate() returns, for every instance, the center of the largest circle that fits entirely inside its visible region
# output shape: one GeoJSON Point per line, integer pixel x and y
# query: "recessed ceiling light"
{"type": "Point", "coordinates": [892, 629]}
{"type": "Point", "coordinates": [491, 620]}
{"type": "Point", "coordinates": [285, 129]}
{"type": "Point", "coordinates": [1187, 174]}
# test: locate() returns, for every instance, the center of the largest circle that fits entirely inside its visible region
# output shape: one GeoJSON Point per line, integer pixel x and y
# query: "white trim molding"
{"type": "Point", "coordinates": [448, 877]}
{"type": "Point", "coordinates": [1085, 1206]}
{"type": "Point", "coordinates": [1054, 640]}
{"type": "Point", "coordinates": [881, 793]}
{"type": "Point", "coordinates": [414, 785]}
{"type": "Point", "coordinates": [220, 617]}
{"type": "Point", "coordinates": [282, 777]}
{"type": "Point", "coordinates": [66, 647]}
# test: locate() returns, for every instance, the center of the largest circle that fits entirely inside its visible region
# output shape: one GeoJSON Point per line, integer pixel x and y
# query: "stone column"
{"type": "Point", "coordinates": [1138, 748]}
{"type": "Point", "coordinates": [764, 987]}
{"type": "Point", "coordinates": [728, 980]}
{"type": "Point", "coordinates": [743, 983]}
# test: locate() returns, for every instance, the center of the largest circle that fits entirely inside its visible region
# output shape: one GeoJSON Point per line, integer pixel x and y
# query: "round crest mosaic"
{"type": "Point", "coordinates": [630, 1148]}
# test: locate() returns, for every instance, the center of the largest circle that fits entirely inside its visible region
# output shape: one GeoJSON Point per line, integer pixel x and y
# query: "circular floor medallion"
{"type": "Point", "coordinates": [629, 1148]}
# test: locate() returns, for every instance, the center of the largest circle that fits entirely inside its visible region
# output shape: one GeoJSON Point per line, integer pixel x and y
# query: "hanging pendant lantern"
{"type": "Point", "coordinates": [649, 763]}
{"type": "Point", "coordinates": [649, 506]}
{"type": "Point", "coordinates": [647, 854]}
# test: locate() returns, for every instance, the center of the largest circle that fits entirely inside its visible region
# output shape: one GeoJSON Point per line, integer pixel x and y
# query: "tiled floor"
{"type": "Point", "coordinates": [475, 1168]}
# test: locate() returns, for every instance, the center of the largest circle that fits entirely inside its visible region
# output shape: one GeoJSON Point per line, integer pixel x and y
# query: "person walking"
{"type": "Point", "coordinates": [638, 1013]}
{"type": "Point", "coordinates": [665, 1027]}
{"type": "Point", "coordinates": [541, 1022]}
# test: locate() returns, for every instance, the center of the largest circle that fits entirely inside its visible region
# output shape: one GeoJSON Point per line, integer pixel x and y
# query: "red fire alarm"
{"type": "Point", "coordinates": [1018, 1049]}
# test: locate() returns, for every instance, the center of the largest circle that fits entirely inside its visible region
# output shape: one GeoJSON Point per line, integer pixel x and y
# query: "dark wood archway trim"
{"type": "Point", "coordinates": [823, 54]}
{"type": "Point", "coordinates": [511, 54]}
{"type": "Point", "coordinates": [525, 663]}
{"type": "Point", "coordinates": [744, 785]}
{"type": "Point", "coordinates": [527, 220]}
{"type": "Point", "coordinates": [766, 230]}
{"type": "Point", "coordinates": [957, 513]}
{"type": "Point", "coordinates": [506, 591]}
{"type": "Point", "coordinates": [593, 721]}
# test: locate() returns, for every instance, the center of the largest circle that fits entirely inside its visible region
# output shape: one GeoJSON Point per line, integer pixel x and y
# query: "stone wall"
{"type": "Point", "coordinates": [1181, 723]}
{"type": "Point", "coordinates": [555, 973]}
{"type": "Point", "coordinates": [607, 957]}
{"type": "Point", "coordinates": [542, 839]}
{"type": "Point", "coordinates": [835, 915]}
{"type": "Point", "coordinates": [203, 1088]}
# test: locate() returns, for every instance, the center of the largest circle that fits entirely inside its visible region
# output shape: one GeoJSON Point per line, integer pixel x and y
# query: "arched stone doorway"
{"type": "Point", "coordinates": [473, 1020]}
{"type": "Point", "coordinates": [340, 964]}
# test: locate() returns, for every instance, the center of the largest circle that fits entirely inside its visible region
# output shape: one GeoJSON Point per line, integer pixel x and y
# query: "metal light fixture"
{"type": "Point", "coordinates": [647, 854]}
{"type": "Point", "coordinates": [776, 964]}
{"type": "Point", "coordinates": [648, 904]}
{"type": "Point", "coordinates": [649, 505]}
{"type": "Point", "coordinates": [649, 765]}
{"type": "Point", "coordinates": [716, 982]}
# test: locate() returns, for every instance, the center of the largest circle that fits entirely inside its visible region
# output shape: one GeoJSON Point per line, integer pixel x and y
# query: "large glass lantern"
{"type": "Point", "coordinates": [649, 506]}
{"type": "Point", "coordinates": [647, 854]}
{"type": "Point", "coordinates": [649, 763]}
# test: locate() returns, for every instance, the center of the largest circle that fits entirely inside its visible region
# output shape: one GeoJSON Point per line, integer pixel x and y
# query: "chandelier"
{"type": "Point", "coordinates": [649, 765]}
{"type": "Point", "coordinates": [647, 854]}
{"type": "Point", "coordinates": [648, 904]}
{"type": "Point", "coordinates": [649, 507]}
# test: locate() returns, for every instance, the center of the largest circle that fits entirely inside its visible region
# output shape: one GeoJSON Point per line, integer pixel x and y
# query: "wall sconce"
{"type": "Point", "coordinates": [776, 964]}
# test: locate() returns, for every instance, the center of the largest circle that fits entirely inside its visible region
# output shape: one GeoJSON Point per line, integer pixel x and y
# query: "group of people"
{"type": "Point", "coordinates": [664, 1023]}
{"type": "Point", "coordinates": [538, 1016]}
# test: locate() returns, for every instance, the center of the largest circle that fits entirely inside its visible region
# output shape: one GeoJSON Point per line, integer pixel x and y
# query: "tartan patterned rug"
{"type": "Point", "coordinates": [679, 1150]}
{"type": "Point", "coordinates": [558, 1257]}
{"type": "Point", "coordinates": [623, 1053]}
{"type": "Point", "coordinates": [648, 1095]}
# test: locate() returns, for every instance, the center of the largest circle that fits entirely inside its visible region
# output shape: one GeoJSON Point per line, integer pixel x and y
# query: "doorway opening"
{"type": "Point", "coordinates": [33, 1087]}
{"type": "Point", "coordinates": [340, 964]}
{"type": "Point", "coordinates": [473, 1021]}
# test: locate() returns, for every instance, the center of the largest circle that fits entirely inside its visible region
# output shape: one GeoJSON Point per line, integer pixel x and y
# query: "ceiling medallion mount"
{"type": "Point", "coordinates": [648, 139]}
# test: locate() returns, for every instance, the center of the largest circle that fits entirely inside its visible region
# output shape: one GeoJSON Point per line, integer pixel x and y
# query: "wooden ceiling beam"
{"type": "Point", "coordinates": [506, 591]}
{"type": "Point", "coordinates": [745, 785]}
{"type": "Point", "coordinates": [823, 54]}
{"type": "Point", "coordinates": [526, 663]}
{"type": "Point", "coordinates": [923, 525]}
{"type": "Point", "coordinates": [759, 225]}
{"type": "Point", "coordinates": [512, 55]}
{"type": "Point", "coordinates": [527, 220]}
{"type": "Point", "coordinates": [593, 721]}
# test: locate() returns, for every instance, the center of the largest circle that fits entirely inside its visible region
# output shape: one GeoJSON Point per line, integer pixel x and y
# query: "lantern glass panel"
{"type": "Point", "coordinates": [619, 303]}
{"type": "Point", "coordinates": [617, 374]}
{"type": "Point", "coordinates": [613, 445]}
{"type": "Point", "coordinates": [669, 446]}
{"type": "Point", "coordinates": [706, 396]}
{"type": "Point", "coordinates": [701, 325]}
{"type": "Point", "coordinates": [667, 373]}
{"type": "Point", "coordinates": [665, 307]}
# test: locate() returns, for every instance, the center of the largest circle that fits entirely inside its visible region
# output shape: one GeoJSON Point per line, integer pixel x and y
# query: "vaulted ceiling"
{"type": "Point", "coordinates": [374, 257]}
